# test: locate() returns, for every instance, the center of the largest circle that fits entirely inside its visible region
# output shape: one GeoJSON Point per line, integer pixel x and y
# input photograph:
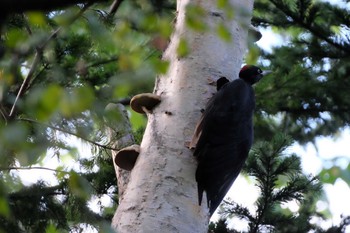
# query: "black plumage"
{"type": "Point", "coordinates": [224, 135]}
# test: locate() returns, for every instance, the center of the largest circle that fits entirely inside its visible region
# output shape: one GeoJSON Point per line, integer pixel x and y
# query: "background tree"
{"type": "Point", "coordinates": [60, 67]}
{"type": "Point", "coordinates": [306, 95]}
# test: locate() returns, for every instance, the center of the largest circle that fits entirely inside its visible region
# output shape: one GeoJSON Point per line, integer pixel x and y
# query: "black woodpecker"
{"type": "Point", "coordinates": [224, 135]}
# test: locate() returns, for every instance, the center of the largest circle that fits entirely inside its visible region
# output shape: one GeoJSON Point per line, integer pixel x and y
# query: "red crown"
{"type": "Point", "coordinates": [244, 68]}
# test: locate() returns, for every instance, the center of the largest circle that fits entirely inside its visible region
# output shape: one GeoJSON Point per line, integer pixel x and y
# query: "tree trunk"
{"type": "Point", "coordinates": [161, 195]}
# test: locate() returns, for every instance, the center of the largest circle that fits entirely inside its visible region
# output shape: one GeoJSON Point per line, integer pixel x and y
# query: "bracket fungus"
{"type": "Point", "coordinates": [254, 33]}
{"type": "Point", "coordinates": [126, 157]}
{"type": "Point", "coordinates": [144, 103]}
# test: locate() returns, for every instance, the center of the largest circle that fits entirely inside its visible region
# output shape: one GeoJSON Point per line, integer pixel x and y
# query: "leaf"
{"type": "Point", "coordinates": [194, 17]}
{"type": "Point", "coordinates": [336, 29]}
{"type": "Point", "coordinates": [14, 133]}
{"type": "Point", "coordinates": [4, 208]}
{"type": "Point", "coordinates": [80, 186]}
{"type": "Point", "coordinates": [252, 55]}
{"type": "Point", "coordinates": [330, 175]}
{"type": "Point", "coordinates": [130, 61]}
{"type": "Point", "coordinates": [16, 37]}
{"type": "Point", "coordinates": [182, 49]}
{"type": "Point", "coordinates": [222, 4]}
{"type": "Point", "coordinates": [51, 229]}
{"type": "Point", "coordinates": [36, 18]}
{"type": "Point", "coordinates": [161, 66]}
{"type": "Point", "coordinates": [77, 101]}
{"type": "Point", "coordinates": [228, 9]}
{"type": "Point", "coordinates": [165, 27]}
{"type": "Point", "coordinates": [223, 32]}
{"type": "Point", "coordinates": [49, 101]}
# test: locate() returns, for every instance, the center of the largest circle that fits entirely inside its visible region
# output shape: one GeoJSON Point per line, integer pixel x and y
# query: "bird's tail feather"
{"type": "Point", "coordinates": [200, 194]}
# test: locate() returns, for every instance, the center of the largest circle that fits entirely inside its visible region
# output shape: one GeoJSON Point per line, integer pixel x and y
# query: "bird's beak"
{"type": "Point", "coordinates": [258, 77]}
{"type": "Point", "coordinates": [266, 72]}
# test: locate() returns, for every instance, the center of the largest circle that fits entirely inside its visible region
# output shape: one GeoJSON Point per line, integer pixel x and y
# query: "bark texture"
{"type": "Point", "coordinates": [161, 195]}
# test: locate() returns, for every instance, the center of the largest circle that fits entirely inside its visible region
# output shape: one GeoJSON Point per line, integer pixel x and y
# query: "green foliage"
{"type": "Point", "coordinates": [223, 32]}
{"type": "Point", "coordinates": [32, 209]}
{"type": "Point", "coordinates": [194, 16]}
{"type": "Point", "coordinates": [138, 134]}
{"type": "Point", "coordinates": [307, 94]}
{"type": "Point", "coordinates": [313, 60]}
{"type": "Point", "coordinates": [58, 71]}
{"type": "Point", "coordinates": [331, 174]}
{"type": "Point", "coordinates": [182, 48]}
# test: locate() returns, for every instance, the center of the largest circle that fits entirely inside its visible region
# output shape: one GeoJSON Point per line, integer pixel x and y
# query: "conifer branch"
{"type": "Point", "coordinates": [267, 164]}
{"type": "Point", "coordinates": [68, 132]}
{"type": "Point", "coordinates": [114, 7]}
{"type": "Point", "coordinates": [313, 28]}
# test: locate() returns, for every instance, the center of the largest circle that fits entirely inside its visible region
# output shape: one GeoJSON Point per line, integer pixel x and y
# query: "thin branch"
{"type": "Point", "coordinates": [68, 132]}
{"type": "Point", "coordinates": [30, 168]}
{"type": "Point", "coordinates": [25, 81]}
{"type": "Point", "coordinates": [42, 191]}
{"type": "Point", "coordinates": [114, 7]}
{"type": "Point", "coordinates": [3, 114]}
{"type": "Point", "coordinates": [103, 62]}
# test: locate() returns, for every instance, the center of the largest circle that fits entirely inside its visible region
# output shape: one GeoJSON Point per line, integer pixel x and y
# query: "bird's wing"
{"type": "Point", "coordinates": [220, 83]}
{"type": "Point", "coordinates": [222, 109]}
{"type": "Point", "coordinates": [225, 140]}
{"type": "Point", "coordinates": [197, 133]}
{"type": "Point", "coordinates": [199, 127]}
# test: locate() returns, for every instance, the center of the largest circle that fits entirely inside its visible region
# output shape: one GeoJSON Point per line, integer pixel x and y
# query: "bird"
{"type": "Point", "coordinates": [224, 135]}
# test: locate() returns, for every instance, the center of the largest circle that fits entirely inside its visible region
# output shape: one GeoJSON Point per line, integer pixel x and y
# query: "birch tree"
{"type": "Point", "coordinates": [162, 192]}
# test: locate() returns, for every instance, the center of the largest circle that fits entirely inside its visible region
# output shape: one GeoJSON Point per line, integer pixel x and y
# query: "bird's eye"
{"type": "Point", "coordinates": [259, 71]}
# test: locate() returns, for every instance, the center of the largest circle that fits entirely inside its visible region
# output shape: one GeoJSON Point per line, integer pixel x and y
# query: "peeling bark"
{"type": "Point", "coordinates": [162, 192]}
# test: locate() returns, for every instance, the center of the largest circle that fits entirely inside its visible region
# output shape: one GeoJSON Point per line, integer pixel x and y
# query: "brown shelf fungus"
{"type": "Point", "coordinates": [254, 33]}
{"type": "Point", "coordinates": [144, 103]}
{"type": "Point", "coordinates": [126, 157]}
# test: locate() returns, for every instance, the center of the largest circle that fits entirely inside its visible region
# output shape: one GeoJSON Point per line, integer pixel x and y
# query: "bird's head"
{"type": "Point", "coordinates": [251, 74]}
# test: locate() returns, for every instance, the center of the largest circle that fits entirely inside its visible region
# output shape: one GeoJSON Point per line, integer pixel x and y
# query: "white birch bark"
{"type": "Point", "coordinates": [161, 195]}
